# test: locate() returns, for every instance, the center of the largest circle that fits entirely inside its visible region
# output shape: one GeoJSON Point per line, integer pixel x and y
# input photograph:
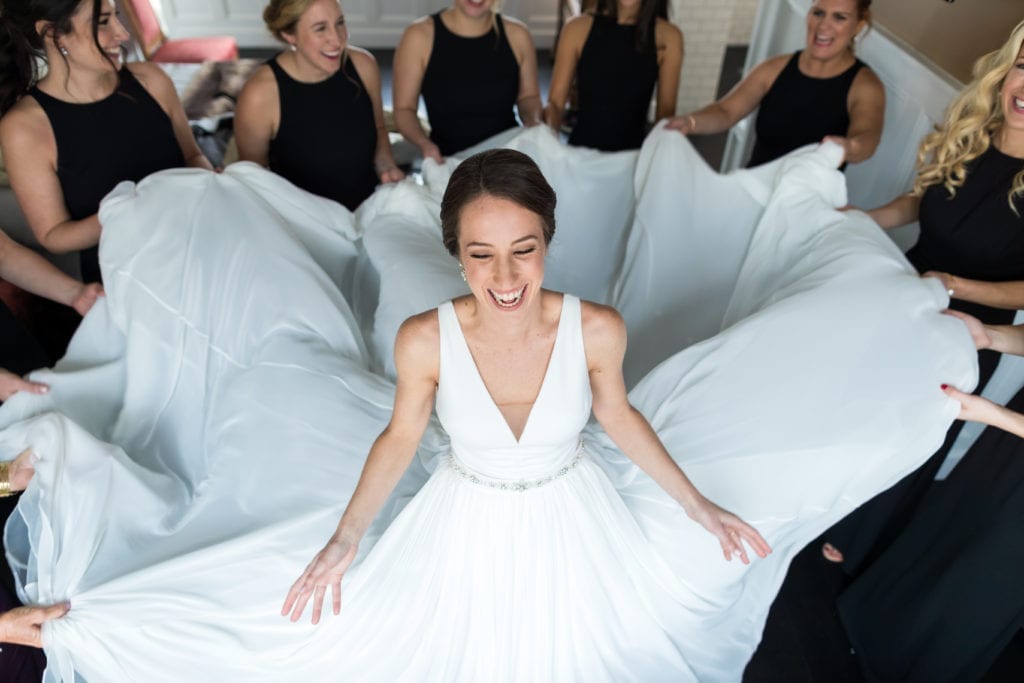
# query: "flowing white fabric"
{"type": "Point", "coordinates": [212, 415]}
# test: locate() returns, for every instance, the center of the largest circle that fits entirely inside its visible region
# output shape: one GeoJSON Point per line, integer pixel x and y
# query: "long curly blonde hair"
{"type": "Point", "coordinates": [971, 121]}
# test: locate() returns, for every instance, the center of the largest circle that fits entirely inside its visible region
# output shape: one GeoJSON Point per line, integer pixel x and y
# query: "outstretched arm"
{"type": "Point", "coordinates": [383, 159]}
{"type": "Point", "coordinates": [416, 361]}
{"type": "Point", "coordinates": [741, 100]}
{"type": "Point", "coordinates": [567, 55]}
{"type": "Point", "coordinates": [26, 269]}
{"type": "Point", "coordinates": [410, 65]}
{"type": "Point", "coordinates": [604, 336]}
{"type": "Point", "coordinates": [866, 104]}
{"type": "Point", "coordinates": [670, 62]}
{"type": "Point", "coordinates": [528, 97]}
{"type": "Point", "coordinates": [1001, 338]}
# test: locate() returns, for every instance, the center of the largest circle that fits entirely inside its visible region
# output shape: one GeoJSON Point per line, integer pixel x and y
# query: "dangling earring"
{"type": "Point", "coordinates": [292, 47]}
{"type": "Point", "coordinates": [462, 272]}
{"type": "Point", "coordinates": [63, 50]}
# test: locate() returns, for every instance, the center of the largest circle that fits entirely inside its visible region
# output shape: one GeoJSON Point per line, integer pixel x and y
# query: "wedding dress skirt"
{"type": "Point", "coordinates": [212, 415]}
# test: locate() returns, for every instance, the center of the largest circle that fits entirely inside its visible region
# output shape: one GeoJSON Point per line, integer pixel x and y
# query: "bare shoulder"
{"type": "Point", "coordinates": [601, 324]}
{"type": "Point", "coordinates": [364, 63]}
{"type": "Point", "coordinates": [361, 57]}
{"type": "Point", "coordinates": [419, 337]}
{"type": "Point", "coordinates": [768, 70]}
{"type": "Point", "coordinates": [578, 26]}
{"type": "Point", "coordinates": [25, 125]}
{"type": "Point", "coordinates": [867, 84]}
{"type": "Point", "coordinates": [667, 34]}
{"type": "Point", "coordinates": [419, 34]}
{"type": "Point", "coordinates": [260, 89]}
{"type": "Point", "coordinates": [154, 79]}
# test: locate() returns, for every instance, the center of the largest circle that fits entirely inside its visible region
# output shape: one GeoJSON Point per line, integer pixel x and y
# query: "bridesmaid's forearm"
{"type": "Point", "coordinates": [1008, 295]}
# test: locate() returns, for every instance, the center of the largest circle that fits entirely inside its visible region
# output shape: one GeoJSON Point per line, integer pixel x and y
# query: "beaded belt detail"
{"type": "Point", "coordinates": [517, 486]}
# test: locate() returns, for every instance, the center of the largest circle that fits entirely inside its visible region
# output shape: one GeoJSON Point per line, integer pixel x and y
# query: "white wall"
{"type": "Point", "coordinates": [706, 28]}
{"type": "Point", "coordinates": [372, 23]}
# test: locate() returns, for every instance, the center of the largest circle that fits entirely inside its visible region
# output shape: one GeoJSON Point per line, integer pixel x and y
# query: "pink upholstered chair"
{"type": "Point", "coordinates": [157, 47]}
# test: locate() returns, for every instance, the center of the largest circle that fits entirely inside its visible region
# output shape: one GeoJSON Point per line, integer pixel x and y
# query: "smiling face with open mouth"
{"type": "Point", "coordinates": [320, 38]}
{"type": "Point", "coordinates": [1012, 97]}
{"type": "Point", "coordinates": [831, 28]}
{"type": "Point", "coordinates": [82, 52]}
{"type": "Point", "coordinates": [474, 9]}
{"type": "Point", "coordinates": [501, 247]}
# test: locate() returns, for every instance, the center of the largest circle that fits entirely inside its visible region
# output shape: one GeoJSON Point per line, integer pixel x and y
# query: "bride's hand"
{"type": "Point", "coordinates": [730, 530]}
{"type": "Point", "coordinates": [327, 568]}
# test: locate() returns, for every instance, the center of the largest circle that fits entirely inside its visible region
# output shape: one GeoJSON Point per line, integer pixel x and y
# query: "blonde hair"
{"type": "Point", "coordinates": [971, 121]}
{"type": "Point", "coordinates": [281, 16]}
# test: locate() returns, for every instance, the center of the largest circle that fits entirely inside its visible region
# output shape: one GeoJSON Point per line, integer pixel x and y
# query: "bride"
{"type": "Point", "coordinates": [210, 422]}
{"type": "Point", "coordinates": [519, 534]}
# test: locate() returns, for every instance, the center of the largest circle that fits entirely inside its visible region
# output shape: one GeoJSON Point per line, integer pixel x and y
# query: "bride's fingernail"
{"type": "Point", "coordinates": [944, 386]}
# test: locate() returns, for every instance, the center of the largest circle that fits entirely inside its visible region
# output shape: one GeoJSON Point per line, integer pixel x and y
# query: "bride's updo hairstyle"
{"type": "Point", "coordinates": [22, 48]}
{"type": "Point", "coordinates": [503, 173]}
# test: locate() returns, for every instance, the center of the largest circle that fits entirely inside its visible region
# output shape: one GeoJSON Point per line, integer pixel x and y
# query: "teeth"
{"type": "Point", "coordinates": [1018, 102]}
{"type": "Point", "coordinates": [508, 298]}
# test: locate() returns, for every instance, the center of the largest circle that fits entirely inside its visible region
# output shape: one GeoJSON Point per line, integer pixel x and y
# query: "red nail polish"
{"type": "Point", "coordinates": [944, 387]}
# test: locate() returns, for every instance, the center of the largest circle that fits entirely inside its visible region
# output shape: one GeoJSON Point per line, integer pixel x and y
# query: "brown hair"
{"type": "Point", "coordinates": [281, 16]}
{"type": "Point", "coordinates": [22, 48]}
{"type": "Point", "coordinates": [503, 173]}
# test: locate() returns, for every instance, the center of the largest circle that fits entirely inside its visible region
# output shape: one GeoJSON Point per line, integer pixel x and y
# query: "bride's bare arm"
{"type": "Point", "coordinates": [604, 336]}
{"type": "Point", "coordinates": [416, 362]}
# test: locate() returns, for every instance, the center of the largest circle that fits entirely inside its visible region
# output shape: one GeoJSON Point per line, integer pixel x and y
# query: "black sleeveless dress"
{"type": "Point", "coordinates": [470, 86]}
{"type": "Point", "coordinates": [975, 235]}
{"type": "Point", "coordinates": [327, 138]}
{"type": "Point", "coordinates": [614, 81]}
{"type": "Point", "coordinates": [946, 598]}
{"type": "Point", "coordinates": [799, 110]}
{"type": "Point", "coordinates": [125, 136]}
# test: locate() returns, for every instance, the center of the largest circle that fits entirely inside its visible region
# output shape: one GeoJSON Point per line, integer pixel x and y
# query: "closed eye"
{"type": "Point", "coordinates": [524, 252]}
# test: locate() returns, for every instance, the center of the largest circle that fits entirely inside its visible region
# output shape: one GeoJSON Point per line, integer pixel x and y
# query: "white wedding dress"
{"type": "Point", "coordinates": [213, 413]}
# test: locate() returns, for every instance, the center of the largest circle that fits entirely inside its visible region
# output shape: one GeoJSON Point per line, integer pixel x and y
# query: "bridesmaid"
{"type": "Point", "coordinates": [960, 602]}
{"type": "Point", "coordinates": [969, 200]}
{"type": "Point", "coordinates": [89, 123]}
{"type": "Point", "coordinates": [818, 92]}
{"type": "Point", "coordinates": [620, 56]}
{"type": "Point", "coordinates": [313, 113]}
{"type": "Point", "coordinates": [472, 66]}
{"type": "Point", "coordinates": [19, 352]}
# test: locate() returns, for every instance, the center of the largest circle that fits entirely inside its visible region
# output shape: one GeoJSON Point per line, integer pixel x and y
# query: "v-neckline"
{"type": "Point", "coordinates": [483, 384]}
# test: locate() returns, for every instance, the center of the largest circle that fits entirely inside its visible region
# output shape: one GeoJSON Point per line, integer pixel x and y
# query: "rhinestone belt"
{"type": "Point", "coordinates": [519, 485]}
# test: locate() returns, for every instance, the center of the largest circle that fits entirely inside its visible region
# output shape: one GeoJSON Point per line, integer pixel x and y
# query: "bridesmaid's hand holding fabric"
{"type": "Point", "coordinates": [86, 297]}
{"type": "Point", "coordinates": [327, 568]}
{"type": "Point", "coordinates": [23, 625]}
{"type": "Point", "coordinates": [10, 384]}
{"type": "Point", "coordinates": [979, 332]}
{"type": "Point", "coordinates": [391, 175]}
{"type": "Point", "coordinates": [730, 530]}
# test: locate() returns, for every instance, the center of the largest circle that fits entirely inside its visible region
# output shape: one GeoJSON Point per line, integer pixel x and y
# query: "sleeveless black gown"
{"type": "Point", "coordinates": [974, 235]}
{"type": "Point", "coordinates": [615, 81]}
{"type": "Point", "coordinates": [125, 136]}
{"type": "Point", "coordinates": [470, 86]}
{"type": "Point", "coordinates": [327, 138]}
{"type": "Point", "coordinates": [940, 595]}
{"type": "Point", "coordinates": [799, 110]}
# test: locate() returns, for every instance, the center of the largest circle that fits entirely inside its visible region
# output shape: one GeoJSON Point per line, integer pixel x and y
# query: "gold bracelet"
{"type": "Point", "coordinates": [5, 480]}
